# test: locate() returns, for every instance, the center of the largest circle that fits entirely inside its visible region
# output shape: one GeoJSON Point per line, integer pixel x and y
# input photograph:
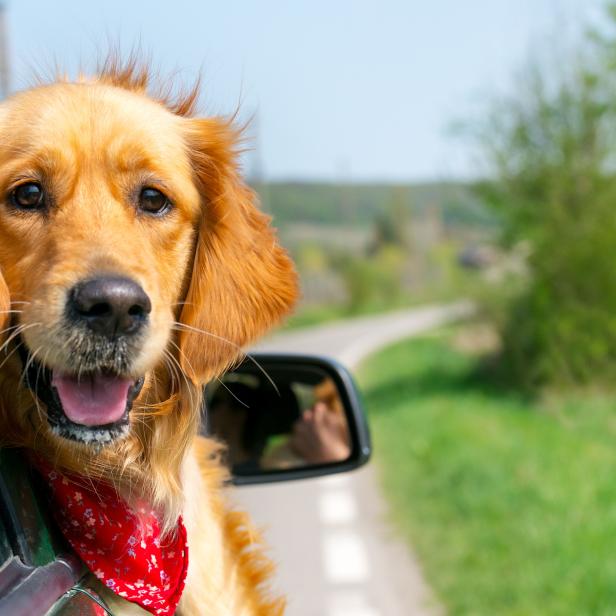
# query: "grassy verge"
{"type": "Point", "coordinates": [509, 503]}
{"type": "Point", "coordinates": [307, 316]}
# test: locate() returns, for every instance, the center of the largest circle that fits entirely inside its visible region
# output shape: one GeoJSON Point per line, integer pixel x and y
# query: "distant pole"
{"type": "Point", "coordinates": [4, 54]}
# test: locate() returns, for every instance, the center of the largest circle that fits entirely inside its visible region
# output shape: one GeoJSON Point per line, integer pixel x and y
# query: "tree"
{"type": "Point", "coordinates": [551, 149]}
{"type": "Point", "coordinates": [391, 227]}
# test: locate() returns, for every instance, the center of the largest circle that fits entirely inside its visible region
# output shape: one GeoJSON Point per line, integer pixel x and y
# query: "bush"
{"type": "Point", "coordinates": [551, 151]}
{"type": "Point", "coordinates": [373, 282]}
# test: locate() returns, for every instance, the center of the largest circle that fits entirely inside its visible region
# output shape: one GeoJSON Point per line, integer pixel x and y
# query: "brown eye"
{"type": "Point", "coordinates": [153, 201]}
{"type": "Point", "coordinates": [28, 196]}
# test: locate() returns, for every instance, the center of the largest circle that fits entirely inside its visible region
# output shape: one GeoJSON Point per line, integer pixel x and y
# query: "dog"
{"type": "Point", "coordinates": [135, 267]}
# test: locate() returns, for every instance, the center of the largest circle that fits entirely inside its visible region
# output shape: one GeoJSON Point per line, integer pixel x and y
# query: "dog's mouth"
{"type": "Point", "coordinates": [89, 407]}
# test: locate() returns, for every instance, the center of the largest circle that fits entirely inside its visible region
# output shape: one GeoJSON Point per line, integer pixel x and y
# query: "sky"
{"type": "Point", "coordinates": [339, 90]}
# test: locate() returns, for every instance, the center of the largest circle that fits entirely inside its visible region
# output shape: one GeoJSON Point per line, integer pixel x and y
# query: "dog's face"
{"type": "Point", "coordinates": [127, 245]}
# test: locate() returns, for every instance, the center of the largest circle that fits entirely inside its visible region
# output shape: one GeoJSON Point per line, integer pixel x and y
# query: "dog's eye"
{"type": "Point", "coordinates": [28, 196]}
{"type": "Point", "coordinates": [153, 201]}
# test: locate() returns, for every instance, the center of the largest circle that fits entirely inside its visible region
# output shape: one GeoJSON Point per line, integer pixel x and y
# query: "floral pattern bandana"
{"type": "Point", "coordinates": [121, 546]}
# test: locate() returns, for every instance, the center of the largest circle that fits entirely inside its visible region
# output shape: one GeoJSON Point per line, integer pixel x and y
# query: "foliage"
{"type": "Point", "coordinates": [311, 257]}
{"type": "Point", "coordinates": [360, 204]}
{"type": "Point", "coordinates": [510, 504]}
{"type": "Point", "coordinates": [391, 227]}
{"type": "Point", "coordinates": [551, 150]}
{"type": "Point", "coordinates": [372, 280]}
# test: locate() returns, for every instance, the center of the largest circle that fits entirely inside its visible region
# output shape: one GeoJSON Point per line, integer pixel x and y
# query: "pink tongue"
{"type": "Point", "coordinates": [94, 399]}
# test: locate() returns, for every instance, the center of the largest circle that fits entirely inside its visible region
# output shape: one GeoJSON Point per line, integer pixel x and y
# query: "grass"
{"type": "Point", "coordinates": [509, 503]}
{"type": "Point", "coordinates": [318, 315]}
{"type": "Point", "coordinates": [308, 316]}
{"type": "Point", "coordinates": [315, 315]}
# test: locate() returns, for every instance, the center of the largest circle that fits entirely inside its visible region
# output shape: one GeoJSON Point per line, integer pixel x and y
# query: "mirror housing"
{"type": "Point", "coordinates": [289, 400]}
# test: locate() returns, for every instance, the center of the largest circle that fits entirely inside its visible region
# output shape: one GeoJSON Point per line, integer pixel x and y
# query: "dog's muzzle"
{"type": "Point", "coordinates": [68, 423]}
{"type": "Point", "coordinates": [91, 401]}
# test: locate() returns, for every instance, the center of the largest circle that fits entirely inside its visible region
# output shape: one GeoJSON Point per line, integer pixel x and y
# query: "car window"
{"type": "Point", "coordinates": [5, 546]}
{"type": "Point", "coordinates": [80, 601]}
{"type": "Point", "coordinates": [30, 546]}
{"type": "Point", "coordinates": [28, 529]}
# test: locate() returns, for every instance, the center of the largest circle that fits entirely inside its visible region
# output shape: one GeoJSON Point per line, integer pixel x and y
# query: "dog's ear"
{"type": "Point", "coordinates": [242, 281]}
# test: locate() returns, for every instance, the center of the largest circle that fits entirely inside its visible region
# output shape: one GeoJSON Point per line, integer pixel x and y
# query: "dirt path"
{"type": "Point", "coordinates": [336, 551]}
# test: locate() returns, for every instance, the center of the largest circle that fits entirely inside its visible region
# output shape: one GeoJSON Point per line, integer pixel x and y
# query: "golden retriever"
{"type": "Point", "coordinates": [135, 266]}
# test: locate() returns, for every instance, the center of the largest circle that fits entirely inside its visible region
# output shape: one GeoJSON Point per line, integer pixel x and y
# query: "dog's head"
{"type": "Point", "coordinates": [131, 252]}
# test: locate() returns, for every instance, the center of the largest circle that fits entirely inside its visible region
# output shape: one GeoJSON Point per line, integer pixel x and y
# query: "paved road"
{"type": "Point", "coordinates": [336, 552]}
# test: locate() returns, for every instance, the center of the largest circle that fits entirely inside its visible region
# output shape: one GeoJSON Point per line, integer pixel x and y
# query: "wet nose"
{"type": "Point", "coordinates": [110, 306]}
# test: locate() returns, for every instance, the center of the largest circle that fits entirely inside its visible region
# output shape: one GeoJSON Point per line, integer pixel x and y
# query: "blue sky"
{"type": "Point", "coordinates": [353, 90]}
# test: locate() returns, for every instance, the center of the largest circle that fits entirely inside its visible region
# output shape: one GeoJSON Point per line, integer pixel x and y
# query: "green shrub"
{"type": "Point", "coordinates": [551, 149]}
{"type": "Point", "coordinates": [373, 281]}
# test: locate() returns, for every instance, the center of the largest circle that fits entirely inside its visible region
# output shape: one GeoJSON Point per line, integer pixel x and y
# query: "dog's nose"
{"type": "Point", "coordinates": [111, 306]}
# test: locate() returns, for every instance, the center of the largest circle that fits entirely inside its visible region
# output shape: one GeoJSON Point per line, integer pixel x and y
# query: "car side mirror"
{"type": "Point", "coordinates": [286, 417]}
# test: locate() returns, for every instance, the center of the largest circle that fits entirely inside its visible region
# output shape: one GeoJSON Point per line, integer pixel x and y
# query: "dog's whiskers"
{"type": "Point", "coordinates": [23, 373]}
{"type": "Point", "coordinates": [181, 372]}
{"type": "Point", "coordinates": [29, 362]}
{"type": "Point", "coordinates": [177, 326]}
{"type": "Point", "coordinates": [17, 332]}
{"type": "Point", "coordinates": [171, 367]}
{"type": "Point", "coordinates": [232, 394]}
{"type": "Point", "coordinates": [7, 329]}
{"type": "Point", "coordinates": [38, 374]}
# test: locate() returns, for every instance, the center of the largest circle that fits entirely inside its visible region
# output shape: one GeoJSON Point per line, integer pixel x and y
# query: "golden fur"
{"type": "Point", "coordinates": [213, 270]}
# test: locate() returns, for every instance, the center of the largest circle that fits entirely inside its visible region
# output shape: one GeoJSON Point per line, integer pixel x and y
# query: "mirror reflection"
{"type": "Point", "coordinates": [287, 419]}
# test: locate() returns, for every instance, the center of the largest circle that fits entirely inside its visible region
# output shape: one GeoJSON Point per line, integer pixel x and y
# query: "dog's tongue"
{"type": "Point", "coordinates": [93, 399]}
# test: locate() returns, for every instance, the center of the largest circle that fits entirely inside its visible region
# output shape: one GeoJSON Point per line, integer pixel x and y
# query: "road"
{"type": "Point", "coordinates": [336, 553]}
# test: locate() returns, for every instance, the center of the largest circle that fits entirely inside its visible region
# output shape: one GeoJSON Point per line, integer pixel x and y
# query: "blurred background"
{"type": "Point", "coordinates": [440, 169]}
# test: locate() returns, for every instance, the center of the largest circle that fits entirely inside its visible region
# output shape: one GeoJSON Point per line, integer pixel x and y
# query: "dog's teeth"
{"type": "Point", "coordinates": [89, 436]}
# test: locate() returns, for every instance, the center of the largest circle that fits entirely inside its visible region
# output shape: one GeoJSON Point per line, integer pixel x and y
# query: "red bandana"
{"type": "Point", "coordinates": [121, 546]}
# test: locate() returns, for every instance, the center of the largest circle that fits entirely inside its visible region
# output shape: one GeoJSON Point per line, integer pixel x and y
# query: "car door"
{"type": "Point", "coordinates": [39, 575]}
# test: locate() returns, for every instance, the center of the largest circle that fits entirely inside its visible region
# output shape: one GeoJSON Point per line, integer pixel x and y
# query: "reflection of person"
{"type": "Point", "coordinates": [250, 420]}
{"type": "Point", "coordinates": [231, 418]}
{"type": "Point", "coordinates": [321, 434]}
{"type": "Point", "coordinates": [245, 418]}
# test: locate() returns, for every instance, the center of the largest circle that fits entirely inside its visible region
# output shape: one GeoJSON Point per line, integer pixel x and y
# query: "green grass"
{"type": "Point", "coordinates": [308, 316]}
{"type": "Point", "coordinates": [314, 315]}
{"type": "Point", "coordinates": [509, 503]}
{"type": "Point", "coordinates": [318, 315]}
